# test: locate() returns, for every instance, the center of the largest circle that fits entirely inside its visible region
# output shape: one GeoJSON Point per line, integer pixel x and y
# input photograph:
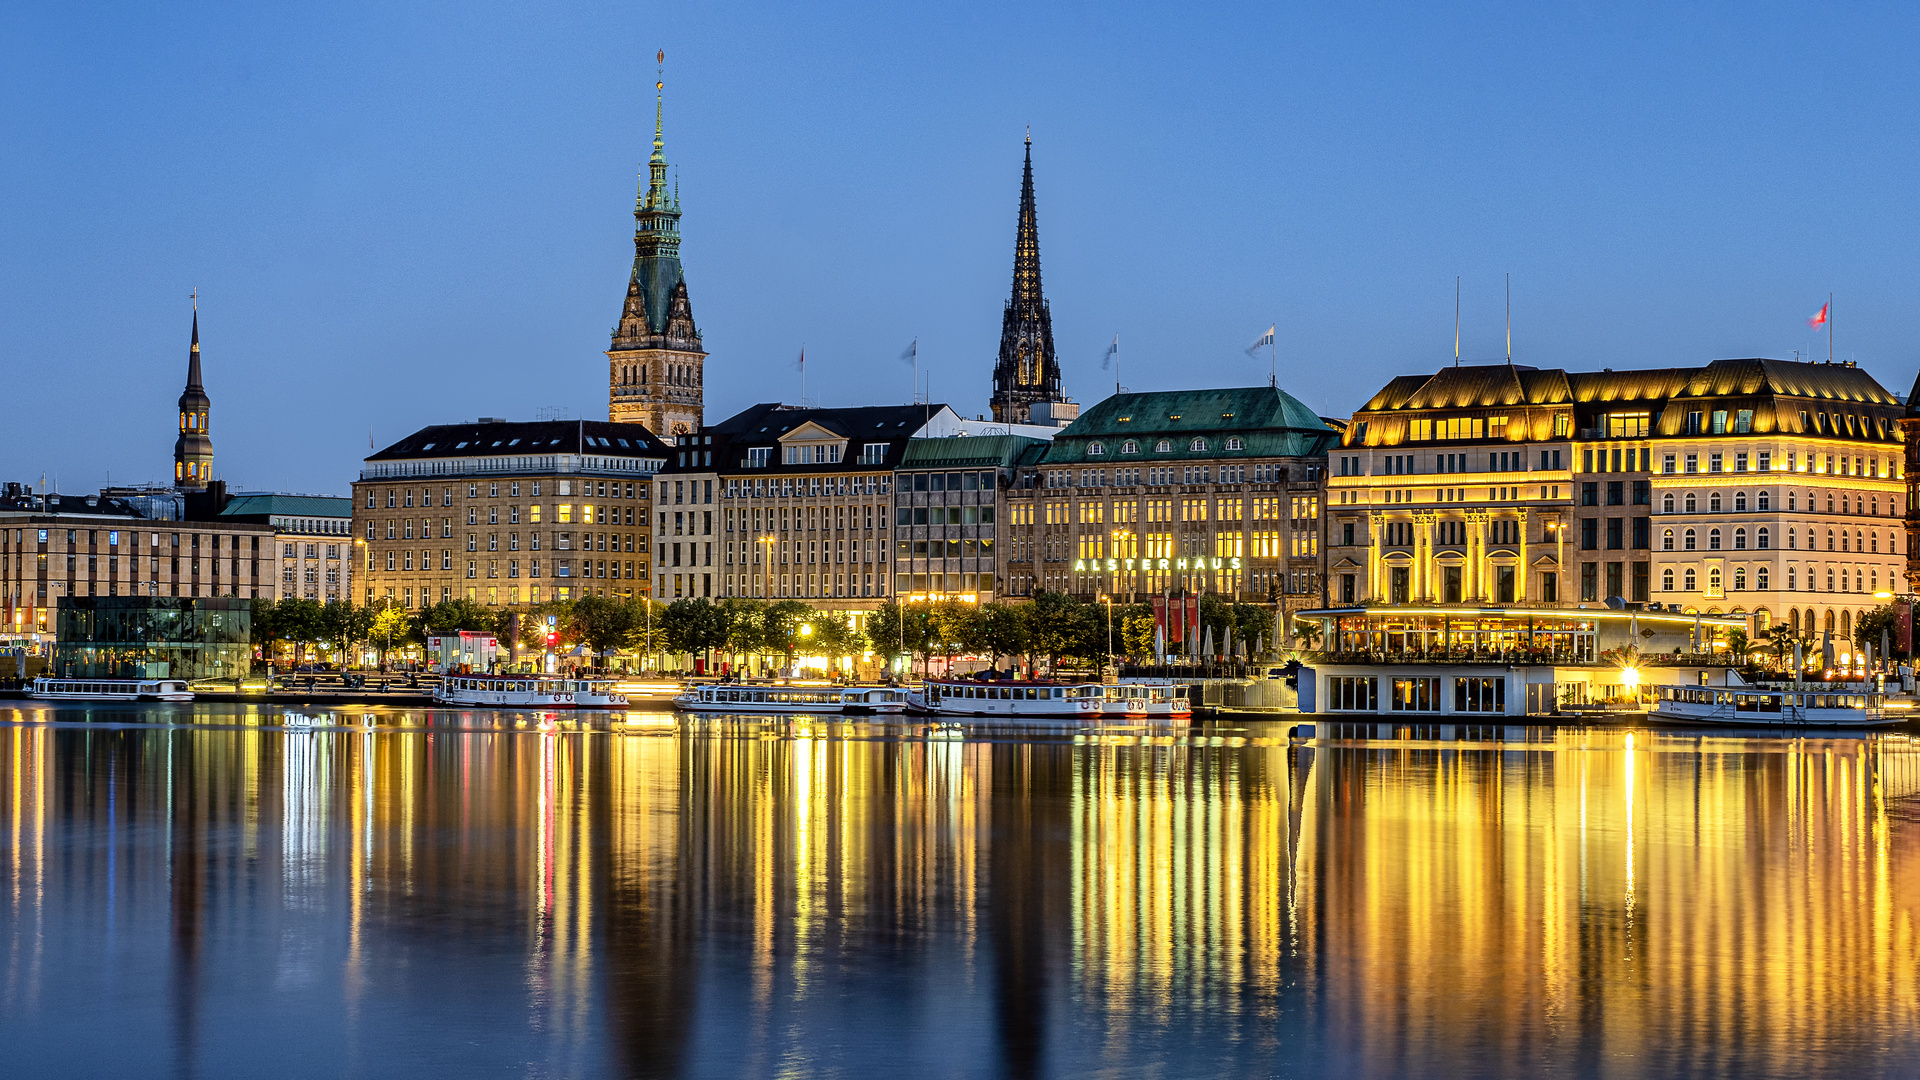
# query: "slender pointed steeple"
{"type": "Point", "coordinates": [193, 450]}
{"type": "Point", "coordinates": [1027, 371]}
{"type": "Point", "coordinates": [656, 358]}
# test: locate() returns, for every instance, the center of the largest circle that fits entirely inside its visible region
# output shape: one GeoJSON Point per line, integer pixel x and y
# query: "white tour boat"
{"type": "Point", "coordinates": [110, 689]}
{"type": "Point", "coordinates": [1816, 706]}
{"type": "Point", "coordinates": [595, 694]}
{"type": "Point", "coordinates": [1013, 700]}
{"type": "Point", "coordinates": [507, 691]}
{"type": "Point", "coordinates": [741, 697]}
{"type": "Point", "coordinates": [1153, 699]}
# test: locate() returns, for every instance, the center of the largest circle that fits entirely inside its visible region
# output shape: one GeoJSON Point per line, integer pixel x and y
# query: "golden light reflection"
{"type": "Point", "coordinates": [1411, 906]}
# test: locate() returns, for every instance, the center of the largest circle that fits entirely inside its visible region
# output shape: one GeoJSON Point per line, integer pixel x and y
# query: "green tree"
{"type": "Point", "coordinates": [741, 625]}
{"type": "Point", "coordinates": [1136, 630]}
{"type": "Point", "coordinates": [343, 624]}
{"type": "Point", "coordinates": [952, 624]}
{"type": "Point", "coordinates": [782, 623]}
{"type": "Point", "coordinates": [452, 616]}
{"type": "Point", "coordinates": [600, 622]}
{"type": "Point", "coordinates": [390, 626]}
{"type": "Point", "coordinates": [646, 634]}
{"type": "Point", "coordinates": [835, 635]}
{"type": "Point", "coordinates": [899, 630]}
{"type": "Point", "coordinates": [999, 631]}
{"type": "Point", "coordinates": [301, 622]}
{"type": "Point", "coordinates": [1059, 625]}
{"type": "Point", "coordinates": [690, 626]}
{"type": "Point", "coordinates": [265, 626]}
{"type": "Point", "coordinates": [1866, 629]}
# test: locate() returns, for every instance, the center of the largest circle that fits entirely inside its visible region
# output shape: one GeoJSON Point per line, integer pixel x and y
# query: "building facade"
{"type": "Point", "coordinates": [507, 513]}
{"type": "Point", "coordinates": [948, 495]}
{"type": "Point", "coordinates": [1027, 372]}
{"type": "Point", "coordinates": [54, 547]}
{"type": "Point", "coordinates": [1761, 488]}
{"type": "Point", "coordinates": [313, 538]}
{"type": "Point", "coordinates": [1205, 491]}
{"type": "Point", "coordinates": [656, 367]}
{"type": "Point", "coordinates": [800, 507]}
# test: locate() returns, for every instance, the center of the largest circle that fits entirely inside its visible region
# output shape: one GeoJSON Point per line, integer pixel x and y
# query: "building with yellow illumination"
{"type": "Point", "coordinates": [1766, 489]}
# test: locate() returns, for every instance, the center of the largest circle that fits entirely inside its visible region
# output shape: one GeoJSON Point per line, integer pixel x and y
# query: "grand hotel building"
{"type": "Point", "coordinates": [1765, 488]}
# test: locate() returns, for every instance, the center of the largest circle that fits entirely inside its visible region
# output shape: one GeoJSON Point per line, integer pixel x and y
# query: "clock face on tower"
{"type": "Point", "coordinates": [681, 427]}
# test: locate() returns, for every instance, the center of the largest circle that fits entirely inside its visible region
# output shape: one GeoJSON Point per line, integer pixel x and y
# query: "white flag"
{"type": "Point", "coordinates": [1263, 340]}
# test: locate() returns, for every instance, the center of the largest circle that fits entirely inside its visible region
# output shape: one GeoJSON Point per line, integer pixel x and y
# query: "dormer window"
{"type": "Point", "coordinates": [1198, 445]}
{"type": "Point", "coordinates": [1096, 449]}
{"type": "Point", "coordinates": [1235, 443]}
{"type": "Point", "coordinates": [1129, 447]}
{"type": "Point", "coordinates": [1163, 447]}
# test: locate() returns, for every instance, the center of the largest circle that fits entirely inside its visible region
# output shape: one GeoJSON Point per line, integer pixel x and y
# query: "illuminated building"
{"type": "Point", "coordinates": [193, 450]}
{"type": "Point", "coordinates": [1701, 489]}
{"type": "Point", "coordinates": [1203, 490]}
{"type": "Point", "coordinates": [313, 535]}
{"type": "Point", "coordinates": [507, 513]}
{"type": "Point", "coordinates": [785, 502]}
{"type": "Point", "coordinates": [656, 367]}
{"type": "Point", "coordinates": [946, 513]}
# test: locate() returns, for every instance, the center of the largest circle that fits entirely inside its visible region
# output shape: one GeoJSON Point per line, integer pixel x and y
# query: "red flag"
{"type": "Point", "coordinates": [1820, 319]}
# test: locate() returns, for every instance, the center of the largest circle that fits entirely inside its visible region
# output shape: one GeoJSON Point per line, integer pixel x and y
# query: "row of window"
{"type": "Point", "coordinates": [603, 489]}
{"type": "Point", "coordinates": [1842, 579]}
{"type": "Point", "coordinates": [1196, 445]}
{"type": "Point", "coordinates": [1860, 541]}
{"type": "Point", "coordinates": [1855, 502]}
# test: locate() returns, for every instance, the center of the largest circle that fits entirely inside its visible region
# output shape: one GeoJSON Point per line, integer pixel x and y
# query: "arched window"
{"type": "Point", "coordinates": [1830, 625]}
{"type": "Point", "coordinates": [1129, 447]}
{"type": "Point", "coordinates": [1740, 539]}
{"type": "Point", "coordinates": [1234, 443]}
{"type": "Point", "coordinates": [1692, 582]}
{"type": "Point", "coordinates": [1873, 580]}
{"type": "Point", "coordinates": [1197, 445]}
{"type": "Point", "coordinates": [1793, 538]}
{"type": "Point", "coordinates": [1764, 501]}
{"type": "Point", "coordinates": [1713, 502]}
{"type": "Point", "coordinates": [1829, 539]}
{"type": "Point", "coordinates": [1713, 579]}
{"type": "Point", "coordinates": [1163, 446]}
{"type": "Point", "coordinates": [1096, 449]}
{"type": "Point", "coordinates": [1846, 624]}
{"type": "Point", "coordinates": [1761, 538]}
{"type": "Point", "coordinates": [1858, 538]}
{"type": "Point", "coordinates": [1793, 621]}
{"type": "Point", "coordinates": [1666, 580]}
{"type": "Point", "coordinates": [1739, 579]}
{"type": "Point", "coordinates": [1713, 539]}
{"type": "Point", "coordinates": [1666, 503]}
{"type": "Point", "coordinates": [1873, 541]}
{"type": "Point", "coordinates": [1691, 505]}
{"type": "Point", "coordinates": [1739, 502]}
{"type": "Point", "coordinates": [1666, 540]}
{"type": "Point", "coordinates": [1760, 582]}
{"type": "Point", "coordinates": [1686, 540]}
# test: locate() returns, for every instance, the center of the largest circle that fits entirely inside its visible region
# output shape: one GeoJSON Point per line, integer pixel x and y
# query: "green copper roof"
{"type": "Point", "coordinates": [1267, 421]}
{"type": "Point", "coordinates": [289, 506]}
{"type": "Point", "coordinates": [967, 452]}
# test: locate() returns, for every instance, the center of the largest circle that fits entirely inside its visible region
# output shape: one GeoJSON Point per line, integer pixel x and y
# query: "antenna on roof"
{"type": "Point", "coordinates": [1456, 320]}
{"type": "Point", "coordinates": [1509, 320]}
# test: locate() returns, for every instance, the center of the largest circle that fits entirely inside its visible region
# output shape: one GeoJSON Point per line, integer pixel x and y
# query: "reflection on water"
{"type": "Point", "coordinates": [735, 897]}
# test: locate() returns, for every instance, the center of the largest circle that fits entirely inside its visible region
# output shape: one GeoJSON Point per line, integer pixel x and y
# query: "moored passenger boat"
{"type": "Point", "coordinates": [747, 698]}
{"type": "Point", "coordinates": [594, 694]}
{"type": "Point", "coordinates": [1014, 700]}
{"type": "Point", "coordinates": [1153, 699]}
{"type": "Point", "coordinates": [52, 689]}
{"type": "Point", "coordinates": [1759, 707]}
{"type": "Point", "coordinates": [507, 691]}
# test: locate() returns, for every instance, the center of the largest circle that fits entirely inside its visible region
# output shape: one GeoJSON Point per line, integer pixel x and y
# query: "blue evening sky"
{"type": "Point", "coordinates": [404, 214]}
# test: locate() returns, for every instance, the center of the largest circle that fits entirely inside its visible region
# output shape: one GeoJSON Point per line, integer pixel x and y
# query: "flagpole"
{"type": "Point", "coordinates": [1829, 328]}
{"type": "Point", "coordinates": [1509, 320]}
{"type": "Point", "coordinates": [1456, 320]}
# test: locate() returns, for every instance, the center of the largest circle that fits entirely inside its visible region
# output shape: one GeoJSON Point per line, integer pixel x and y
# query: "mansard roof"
{"type": "Point", "coordinates": [494, 438]}
{"type": "Point", "coordinates": [968, 452]}
{"type": "Point", "coordinates": [1268, 421]}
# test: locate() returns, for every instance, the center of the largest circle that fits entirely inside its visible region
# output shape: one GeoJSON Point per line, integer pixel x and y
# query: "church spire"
{"type": "Point", "coordinates": [193, 450]}
{"type": "Point", "coordinates": [1027, 371]}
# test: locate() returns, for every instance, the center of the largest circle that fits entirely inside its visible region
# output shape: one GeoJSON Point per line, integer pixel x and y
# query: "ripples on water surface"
{"type": "Point", "coordinates": [455, 894]}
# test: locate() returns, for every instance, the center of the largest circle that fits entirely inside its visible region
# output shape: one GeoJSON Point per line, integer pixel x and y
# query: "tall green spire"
{"type": "Point", "coordinates": [656, 235]}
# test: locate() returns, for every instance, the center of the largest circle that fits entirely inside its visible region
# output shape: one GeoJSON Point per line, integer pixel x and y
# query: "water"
{"type": "Point", "coordinates": [458, 894]}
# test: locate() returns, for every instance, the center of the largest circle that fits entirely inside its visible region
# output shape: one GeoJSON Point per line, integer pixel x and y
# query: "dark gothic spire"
{"type": "Point", "coordinates": [1027, 370]}
{"type": "Point", "coordinates": [193, 450]}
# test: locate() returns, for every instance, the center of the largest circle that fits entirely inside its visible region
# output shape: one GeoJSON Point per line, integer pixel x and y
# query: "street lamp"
{"type": "Point", "coordinates": [1107, 599]}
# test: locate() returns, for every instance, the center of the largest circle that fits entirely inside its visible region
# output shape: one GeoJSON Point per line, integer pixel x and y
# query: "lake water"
{"type": "Point", "coordinates": [194, 891]}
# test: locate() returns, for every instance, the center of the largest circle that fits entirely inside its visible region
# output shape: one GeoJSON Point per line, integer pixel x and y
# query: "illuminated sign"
{"type": "Point", "coordinates": [1082, 566]}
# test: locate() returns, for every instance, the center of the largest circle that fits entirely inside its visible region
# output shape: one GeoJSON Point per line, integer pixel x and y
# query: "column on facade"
{"type": "Point", "coordinates": [1375, 587]}
{"type": "Point", "coordinates": [1423, 555]}
{"type": "Point", "coordinates": [1474, 588]}
{"type": "Point", "coordinates": [1522, 572]}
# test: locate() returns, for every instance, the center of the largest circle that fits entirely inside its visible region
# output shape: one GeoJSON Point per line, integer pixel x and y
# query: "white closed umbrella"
{"type": "Point", "coordinates": [1826, 648]}
{"type": "Point", "coordinates": [1206, 642]}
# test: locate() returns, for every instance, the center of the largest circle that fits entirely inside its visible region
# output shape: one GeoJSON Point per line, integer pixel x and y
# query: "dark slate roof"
{"type": "Point", "coordinates": [493, 438]}
{"type": "Point", "coordinates": [765, 423]}
{"type": "Point", "coordinates": [968, 452]}
{"type": "Point", "coordinates": [1269, 422]}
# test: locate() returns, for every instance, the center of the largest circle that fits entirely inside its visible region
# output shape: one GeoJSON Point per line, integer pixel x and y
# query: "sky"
{"type": "Point", "coordinates": [406, 214]}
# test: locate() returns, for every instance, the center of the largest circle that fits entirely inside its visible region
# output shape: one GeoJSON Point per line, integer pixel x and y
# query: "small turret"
{"type": "Point", "coordinates": [193, 450]}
